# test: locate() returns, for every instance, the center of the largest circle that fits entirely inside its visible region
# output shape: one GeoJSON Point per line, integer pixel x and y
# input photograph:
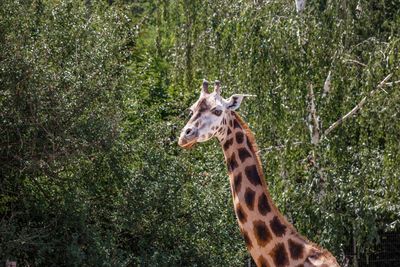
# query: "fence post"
{"type": "Point", "coordinates": [355, 257]}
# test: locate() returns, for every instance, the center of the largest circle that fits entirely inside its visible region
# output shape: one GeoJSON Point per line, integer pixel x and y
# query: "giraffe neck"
{"type": "Point", "coordinates": [269, 237]}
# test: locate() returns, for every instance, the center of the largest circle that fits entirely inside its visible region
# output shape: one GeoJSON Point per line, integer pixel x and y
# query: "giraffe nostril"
{"type": "Point", "coordinates": [188, 132]}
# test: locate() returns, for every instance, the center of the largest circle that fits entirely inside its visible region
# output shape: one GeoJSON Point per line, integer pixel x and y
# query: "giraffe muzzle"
{"type": "Point", "coordinates": [188, 137]}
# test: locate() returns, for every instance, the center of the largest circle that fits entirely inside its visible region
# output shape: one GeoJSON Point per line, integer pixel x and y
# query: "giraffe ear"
{"type": "Point", "coordinates": [234, 101]}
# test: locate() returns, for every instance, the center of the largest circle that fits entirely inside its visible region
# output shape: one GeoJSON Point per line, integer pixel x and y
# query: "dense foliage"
{"type": "Point", "coordinates": [93, 96]}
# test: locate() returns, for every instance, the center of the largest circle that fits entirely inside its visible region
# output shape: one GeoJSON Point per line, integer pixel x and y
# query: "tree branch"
{"type": "Point", "coordinates": [313, 117]}
{"type": "Point", "coordinates": [300, 5]}
{"type": "Point", "coordinates": [327, 84]}
{"type": "Point", "coordinates": [355, 61]}
{"type": "Point", "coordinates": [357, 107]}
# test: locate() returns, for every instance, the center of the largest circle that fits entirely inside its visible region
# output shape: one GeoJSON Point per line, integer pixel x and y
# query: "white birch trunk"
{"type": "Point", "coordinates": [300, 5]}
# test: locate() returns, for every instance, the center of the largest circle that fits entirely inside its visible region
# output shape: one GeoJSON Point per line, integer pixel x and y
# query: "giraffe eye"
{"type": "Point", "coordinates": [216, 112]}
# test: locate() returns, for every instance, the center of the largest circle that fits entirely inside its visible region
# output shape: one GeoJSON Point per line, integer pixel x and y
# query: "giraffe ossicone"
{"type": "Point", "coordinates": [270, 239]}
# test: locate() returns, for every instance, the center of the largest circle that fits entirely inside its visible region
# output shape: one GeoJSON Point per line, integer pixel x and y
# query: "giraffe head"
{"type": "Point", "coordinates": [209, 116]}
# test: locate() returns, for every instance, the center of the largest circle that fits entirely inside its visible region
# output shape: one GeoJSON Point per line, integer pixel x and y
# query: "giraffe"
{"type": "Point", "coordinates": [270, 239]}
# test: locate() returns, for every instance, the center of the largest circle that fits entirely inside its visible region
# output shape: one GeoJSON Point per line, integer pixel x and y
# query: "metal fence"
{"type": "Point", "coordinates": [385, 254]}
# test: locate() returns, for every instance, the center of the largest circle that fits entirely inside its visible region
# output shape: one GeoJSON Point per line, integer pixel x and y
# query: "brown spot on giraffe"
{"type": "Point", "coordinates": [239, 137]}
{"type": "Point", "coordinates": [228, 143]}
{"type": "Point", "coordinates": [237, 182]}
{"type": "Point", "coordinates": [249, 196]}
{"type": "Point", "coordinates": [229, 131]}
{"type": "Point", "coordinates": [232, 163]}
{"type": "Point", "coordinates": [243, 154]}
{"type": "Point", "coordinates": [279, 255]}
{"type": "Point", "coordinates": [296, 249]}
{"type": "Point", "coordinates": [240, 214]}
{"type": "Point", "coordinates": [262, 262]}
{"type": "Point", "coordinates": [263, 205]}
{"type": "Point", "coordinates": [277, 227]}
{"type": "Point", "coordinates": [261, 232]}
{"type": "Point", "coordinates": [252, 175]}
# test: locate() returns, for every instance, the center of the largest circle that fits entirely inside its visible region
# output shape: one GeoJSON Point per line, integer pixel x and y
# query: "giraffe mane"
{"type": "Point", "coordinates": [252, 140]}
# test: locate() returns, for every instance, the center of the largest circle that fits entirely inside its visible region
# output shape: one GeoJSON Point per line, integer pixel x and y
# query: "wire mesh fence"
{"type": "Point", "coordinates": [386, 253]}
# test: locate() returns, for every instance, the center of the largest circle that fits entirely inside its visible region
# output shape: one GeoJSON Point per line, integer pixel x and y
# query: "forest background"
{"type": "Point", "coordinates": [93, 95]}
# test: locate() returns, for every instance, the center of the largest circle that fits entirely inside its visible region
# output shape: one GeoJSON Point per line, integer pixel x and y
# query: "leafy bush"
{"type": "Point", "coordinates": [92, 100]}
